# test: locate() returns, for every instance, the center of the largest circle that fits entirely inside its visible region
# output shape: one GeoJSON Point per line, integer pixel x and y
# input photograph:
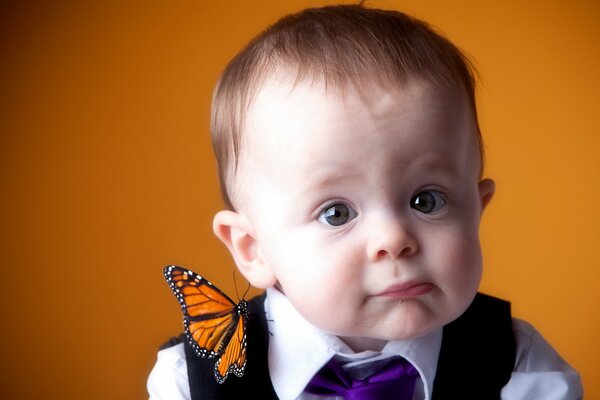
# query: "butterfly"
{"type": "Point", "coordinates": [215, 326]}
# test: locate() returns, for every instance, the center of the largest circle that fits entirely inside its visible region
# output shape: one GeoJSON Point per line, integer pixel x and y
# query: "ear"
{"type": "Point", "coordinates": [487, 188]}
{"type": "Point", "coordinates": [236, 232]}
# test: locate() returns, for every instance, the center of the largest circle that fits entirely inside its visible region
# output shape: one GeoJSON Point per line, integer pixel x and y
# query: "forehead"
{"type": "Point", "coordinates": [309, 115]}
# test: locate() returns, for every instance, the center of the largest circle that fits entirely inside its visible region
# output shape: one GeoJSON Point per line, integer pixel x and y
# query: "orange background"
{"type": "Point", "coordinates": [107, 174]}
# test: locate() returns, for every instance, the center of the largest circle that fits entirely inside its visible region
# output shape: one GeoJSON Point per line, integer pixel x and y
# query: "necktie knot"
{"type": "Point", "coordinates": [396, 380]}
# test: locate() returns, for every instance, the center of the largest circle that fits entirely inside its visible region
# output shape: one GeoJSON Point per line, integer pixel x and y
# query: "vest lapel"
{"type": "Point", "coordinates": [478, 352]}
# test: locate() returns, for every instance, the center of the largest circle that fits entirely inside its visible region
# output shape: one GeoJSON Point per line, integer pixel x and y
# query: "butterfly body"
{"type": "Point", "coordinates": [215, 326]}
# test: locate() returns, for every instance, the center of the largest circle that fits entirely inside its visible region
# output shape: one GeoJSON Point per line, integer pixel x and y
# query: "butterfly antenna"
{"type": "Point", "coordinates": [246, 292]}
{"type": "Point", "coordinates": [235, 285]}
{"type": "Point", "coordinates": [236, 288]}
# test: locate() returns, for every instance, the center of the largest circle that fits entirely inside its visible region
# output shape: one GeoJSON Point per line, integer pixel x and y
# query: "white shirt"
{"type": "Point", "coordinates": [297, 350]}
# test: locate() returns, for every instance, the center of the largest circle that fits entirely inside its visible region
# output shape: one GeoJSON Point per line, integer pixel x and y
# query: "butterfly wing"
{"type": "Point", "coordinates": [210, 316]}
{"type": "Point", "coordinates": [234, 356]}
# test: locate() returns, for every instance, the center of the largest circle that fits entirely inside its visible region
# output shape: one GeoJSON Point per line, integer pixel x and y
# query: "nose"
{"type": "Point", "coordinates": [391, 237]}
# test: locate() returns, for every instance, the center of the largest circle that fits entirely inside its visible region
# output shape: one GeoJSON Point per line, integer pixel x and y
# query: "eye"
{"type": "Point", "coordinates": [428, 201]}
{"type": "Point", "coordinates": [336, 214]}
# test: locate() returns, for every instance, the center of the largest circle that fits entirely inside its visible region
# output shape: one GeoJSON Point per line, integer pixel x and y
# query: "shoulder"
{"type": "Point", "coordinates": [169, 377]}
{"type": "Point", "coordinates": [539, 372]}
{"type": "Point", "coordinates": [533, 351]}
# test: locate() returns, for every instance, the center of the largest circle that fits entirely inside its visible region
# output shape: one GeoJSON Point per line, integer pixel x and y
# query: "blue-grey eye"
{"type": "Point", "coordinates": [337, 214]}
{"type": "Point", "coordinates": [428, 201]}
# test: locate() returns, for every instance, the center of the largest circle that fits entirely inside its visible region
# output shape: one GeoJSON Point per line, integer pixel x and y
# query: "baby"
{"type": "Point", "coordinates": [351, 164]}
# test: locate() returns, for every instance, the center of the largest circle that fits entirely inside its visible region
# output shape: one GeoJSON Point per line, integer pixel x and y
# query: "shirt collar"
{"type": "Point", "coordinates": [298, 349]}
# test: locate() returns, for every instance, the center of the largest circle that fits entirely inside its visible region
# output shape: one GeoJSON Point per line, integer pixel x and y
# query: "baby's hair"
{"type": "Point", "coordinates": [337, 45]}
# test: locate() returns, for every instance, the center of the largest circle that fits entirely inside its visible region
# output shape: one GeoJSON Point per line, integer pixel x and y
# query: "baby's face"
{"type": "Point", "coordinates": [366, 206]}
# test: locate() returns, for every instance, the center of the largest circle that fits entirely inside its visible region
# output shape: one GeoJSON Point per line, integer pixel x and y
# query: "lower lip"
{"type": "Point", "coordinates": [409, 292]}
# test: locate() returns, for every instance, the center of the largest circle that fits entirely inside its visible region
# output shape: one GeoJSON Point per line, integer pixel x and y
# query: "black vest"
{"type": "Point", "coordinates": [476, 359]}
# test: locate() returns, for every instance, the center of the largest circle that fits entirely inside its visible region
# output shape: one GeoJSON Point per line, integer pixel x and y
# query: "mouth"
{"type": "Point", "coordinates": [407, 290]}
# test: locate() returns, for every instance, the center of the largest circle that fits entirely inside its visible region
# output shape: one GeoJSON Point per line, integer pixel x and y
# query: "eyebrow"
{"type": "Point", "coordinates": [329, 179]}
{"type": "Point", "coordinates": [442, 165]}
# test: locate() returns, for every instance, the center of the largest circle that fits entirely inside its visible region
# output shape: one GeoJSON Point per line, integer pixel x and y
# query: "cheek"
{"type": "Point", "coordinates": [319, 280]}
{"type": "Point", "coordinates": [462, 260]}
{"type": "Point", "coordinates": [295, 264]}
{"type": "Point", "coordinates": [304, 269]}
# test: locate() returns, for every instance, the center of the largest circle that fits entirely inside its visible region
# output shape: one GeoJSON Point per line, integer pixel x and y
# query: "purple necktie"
{"type": "Point", "coordinates": [396, 380]}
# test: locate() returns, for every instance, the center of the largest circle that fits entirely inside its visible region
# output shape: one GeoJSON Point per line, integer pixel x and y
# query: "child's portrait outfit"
{"type": "Point", "coordinates": [484, 354]}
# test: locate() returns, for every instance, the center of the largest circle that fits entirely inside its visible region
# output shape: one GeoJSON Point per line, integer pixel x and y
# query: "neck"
{"type": "Point", "coordinates": [358, 344]}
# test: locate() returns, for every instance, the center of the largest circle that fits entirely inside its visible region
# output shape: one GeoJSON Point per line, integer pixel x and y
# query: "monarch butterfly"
{"type": "Point", "coordinates": [214, 324]}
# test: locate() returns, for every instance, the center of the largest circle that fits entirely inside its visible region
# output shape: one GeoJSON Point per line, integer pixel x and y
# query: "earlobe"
{"type": "Point", "coordinates": [235, 231]}
{"type": "Point", "coordinates": [487, 188]}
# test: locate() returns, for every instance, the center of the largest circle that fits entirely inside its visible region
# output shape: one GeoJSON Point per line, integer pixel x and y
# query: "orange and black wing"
{"type": "Point", "coordinates": [214, 324]}
{"type": "Point", "coordinates": [233, 358]}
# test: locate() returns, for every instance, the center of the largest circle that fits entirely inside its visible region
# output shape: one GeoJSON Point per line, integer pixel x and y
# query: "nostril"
{"type": "Point", "coordinates": [381, 253]}
{"type": "Point", "coordinates": [408, 250]}
{"type": "Point", "coordinates": [405, 251]}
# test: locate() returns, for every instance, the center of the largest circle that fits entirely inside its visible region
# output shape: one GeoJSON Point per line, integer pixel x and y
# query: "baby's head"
{"type": "Point", "coordinates": [350, 160]}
